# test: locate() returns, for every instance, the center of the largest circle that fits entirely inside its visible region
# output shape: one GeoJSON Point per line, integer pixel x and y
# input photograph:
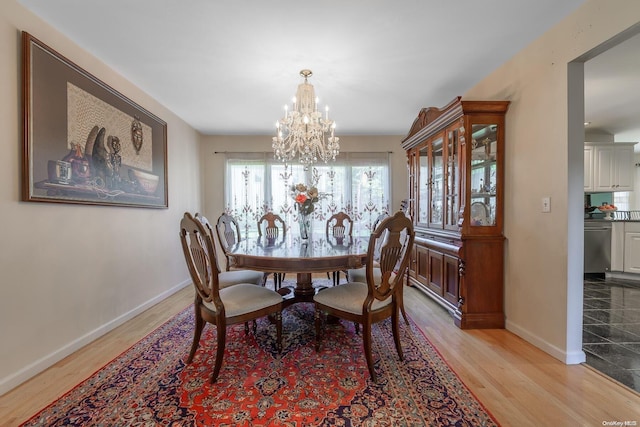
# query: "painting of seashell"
{"type": "Point", "coordinates": [91, 139]}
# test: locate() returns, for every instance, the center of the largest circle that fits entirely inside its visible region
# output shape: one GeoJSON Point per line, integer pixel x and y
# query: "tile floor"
{"type": "Point", "coordinates": [611, 331]}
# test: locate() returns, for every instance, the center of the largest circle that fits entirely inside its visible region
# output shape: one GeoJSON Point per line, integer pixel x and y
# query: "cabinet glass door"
{"type": "Point", "coordinates": [483, 174]}
{"type": "Point", "coordinates": [423, 186]}
{"type": "Point", "coordinates": [452, 196]}
{"type": "Point", "coordinates": [436, 187]}
{"type": "Point", "coordinates": [413, 175]}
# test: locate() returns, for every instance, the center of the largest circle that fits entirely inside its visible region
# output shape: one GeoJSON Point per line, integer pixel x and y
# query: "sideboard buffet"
{"type": "Point", "coordinates": [455, 158]}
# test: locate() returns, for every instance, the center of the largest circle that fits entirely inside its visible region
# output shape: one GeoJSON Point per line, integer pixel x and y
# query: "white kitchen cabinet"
{"type": "Point", "coordinates": [588, 168]}
{"type": "Point", "coordinates": [617, 245]}
{"type": "Point", "coordinates": [624, 167]}
{"type": "Point", "coordinates": [625, 247]}
{"type": "Point", "coordinates": [632, 247]}
{"type": "Point", "coordinates": [613, 167]}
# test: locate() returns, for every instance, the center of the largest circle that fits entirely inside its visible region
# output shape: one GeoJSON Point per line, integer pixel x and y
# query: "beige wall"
{"type": "Point", "coordinates": [543, 286]}
{"type": "Point", "coordinates": [69, 273]}
{"type": "Point", "coordinates": [214, 163]}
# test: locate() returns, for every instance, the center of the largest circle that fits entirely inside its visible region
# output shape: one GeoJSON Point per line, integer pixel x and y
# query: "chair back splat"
{"type": "Point", "coordinates": [229, 276]}
{"type": "Point", "coordinates": [209, 231]}
{"type": "Point", "coordinates": [338, 228]}
{"type": "Point", "coordinates": [273, 227]}
{"type": "Point", "coordinates": [228, 234]}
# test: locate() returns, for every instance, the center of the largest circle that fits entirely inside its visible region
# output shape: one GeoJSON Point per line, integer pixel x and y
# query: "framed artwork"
{"type": "Point", "coordinates": [84, 142]}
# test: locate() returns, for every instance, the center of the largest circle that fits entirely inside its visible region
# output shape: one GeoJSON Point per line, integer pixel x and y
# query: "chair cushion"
{"type": "Point", "coordinates": [233, 277]}
{"type": "Point", "coordinates": [245, 297]}
{"type": "Point", "coordinates": [360, 275]}
{"type": "Point", "coordinates": [348, 297]}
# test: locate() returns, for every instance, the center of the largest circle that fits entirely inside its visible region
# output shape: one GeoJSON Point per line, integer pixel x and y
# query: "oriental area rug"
{"type": "Point", "coordinates": [150, 384]}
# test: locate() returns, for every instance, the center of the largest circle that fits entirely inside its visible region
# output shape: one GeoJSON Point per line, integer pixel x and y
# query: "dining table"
{"type": "Point", "coordinates": [291, 254]}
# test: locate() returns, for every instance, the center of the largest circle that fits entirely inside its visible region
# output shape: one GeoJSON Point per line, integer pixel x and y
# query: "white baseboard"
{"type": "Point", "coordinates": [570, 358]}
{"type": "Point", "coordinates": [621, 275]}
{"type": "Point", "coordinates": [29, 371]}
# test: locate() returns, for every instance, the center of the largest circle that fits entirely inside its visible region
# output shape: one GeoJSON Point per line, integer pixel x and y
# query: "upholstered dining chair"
{"type": "Point", "coordinates": [222, 307]}
{"type": "Point", "coordinates": [273, 227]}
{"type": "Point", "coordinates": [375, 299]}
{"type": "Point", "coordinates": [360, 274]}
{"type": "Point", "coordinates": [231, 277]}
{"type": "Point", "coordinates": [339, 226]}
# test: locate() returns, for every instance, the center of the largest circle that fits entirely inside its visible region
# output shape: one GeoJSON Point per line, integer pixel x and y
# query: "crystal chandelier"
{"type": "Point", "coordinates": [303, 131]}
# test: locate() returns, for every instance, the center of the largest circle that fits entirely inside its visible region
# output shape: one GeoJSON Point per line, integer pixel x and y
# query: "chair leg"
{"type": "Point", "coordinates": [395, 327]}
{"type": "Point", "coordinates": [336, 278]}
{"type": "Point", "coordinates": [277, 281]}
{"type": "Point", "coordinates": [401, 305]}
{"type": "Point", "coordinates": [366, 340]}
{"type": "Point", "coordinates": [318, 321]}
{"type": "Point", "coordinates": [222, 340]}
{"type": "Point", "coordinates": [253, 327]}
{"type": "Point", "coordinates": [196, 334]}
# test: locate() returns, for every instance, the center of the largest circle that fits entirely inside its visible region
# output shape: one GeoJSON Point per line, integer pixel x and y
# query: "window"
{"type": "Point", "coordinates": [356, 183]}
{"type": "Point", "coordinates": [621, 200]}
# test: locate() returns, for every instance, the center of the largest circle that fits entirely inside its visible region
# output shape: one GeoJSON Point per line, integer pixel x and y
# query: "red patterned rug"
{"type": "Point", "coordinates": [150, 384]}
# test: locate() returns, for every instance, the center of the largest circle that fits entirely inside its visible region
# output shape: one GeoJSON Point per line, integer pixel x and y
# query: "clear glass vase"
{"type": "Point", "coordinates": [304, 221]}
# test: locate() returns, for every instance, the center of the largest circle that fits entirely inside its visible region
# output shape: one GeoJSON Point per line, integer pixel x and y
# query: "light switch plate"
{"type": "Point", "coordinates": [546, 204]}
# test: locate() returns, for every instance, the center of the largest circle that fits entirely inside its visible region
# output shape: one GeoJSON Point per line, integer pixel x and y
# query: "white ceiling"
{"type": "Point", "coordinates": [228, 67]}
{"type": "Point", "coordinates": [612, 99]}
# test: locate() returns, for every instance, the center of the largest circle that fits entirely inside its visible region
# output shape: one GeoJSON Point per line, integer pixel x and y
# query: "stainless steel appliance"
{"type": "Point", "coordinates": [597, 246]}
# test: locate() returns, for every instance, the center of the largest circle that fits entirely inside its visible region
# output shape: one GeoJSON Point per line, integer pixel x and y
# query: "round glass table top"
{"type": "Point", "coordinates": [293, 254]}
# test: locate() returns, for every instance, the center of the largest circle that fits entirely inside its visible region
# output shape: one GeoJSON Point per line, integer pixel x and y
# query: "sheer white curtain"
{"type": "Point", "coordinates": [356, 183]}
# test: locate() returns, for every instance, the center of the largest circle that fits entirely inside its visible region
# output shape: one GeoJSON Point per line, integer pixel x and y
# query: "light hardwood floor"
{"type": "Point", "coordinates": [519, 384]}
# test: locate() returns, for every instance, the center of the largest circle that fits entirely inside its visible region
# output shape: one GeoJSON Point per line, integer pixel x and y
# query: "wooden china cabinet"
{"type": "Point", "coordinates": [456, 196]}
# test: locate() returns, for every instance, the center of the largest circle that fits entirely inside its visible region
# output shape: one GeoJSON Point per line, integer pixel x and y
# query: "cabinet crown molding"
{"type": "Point", "coordinates": [433, 119]}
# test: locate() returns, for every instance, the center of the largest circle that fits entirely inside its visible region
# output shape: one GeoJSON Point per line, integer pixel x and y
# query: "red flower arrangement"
{"type": "Point", "coordinates": [305, 198]}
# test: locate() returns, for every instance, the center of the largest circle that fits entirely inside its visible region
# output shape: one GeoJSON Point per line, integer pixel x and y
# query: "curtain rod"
{"type": "Point", "coordinates": [264, 152]}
